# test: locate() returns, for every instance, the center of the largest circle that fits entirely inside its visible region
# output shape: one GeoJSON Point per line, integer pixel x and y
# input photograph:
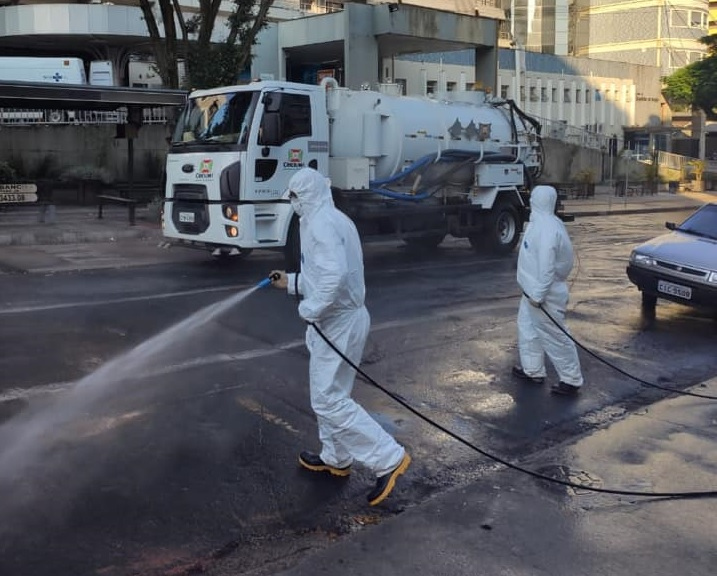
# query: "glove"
{"type": "Point", "coordinates": [279, 279]}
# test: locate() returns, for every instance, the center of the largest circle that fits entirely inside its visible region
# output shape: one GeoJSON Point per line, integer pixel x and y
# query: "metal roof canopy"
{"type": "Point", "coordinates": [80, 97]}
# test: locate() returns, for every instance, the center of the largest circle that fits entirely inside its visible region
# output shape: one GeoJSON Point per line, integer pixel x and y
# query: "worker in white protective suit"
{"type": "Point", "coordinates": [331, 282]}
{"type": "Point", "coordinates": [544, 263]}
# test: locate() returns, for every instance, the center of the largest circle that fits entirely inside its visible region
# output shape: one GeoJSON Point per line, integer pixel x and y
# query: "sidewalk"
{"type": "Point", "coordinates": [605, 203]}
{"type": "Point", "coordinates": [22, 225]}
{"type": "Point", "coordinates": [510, 524]}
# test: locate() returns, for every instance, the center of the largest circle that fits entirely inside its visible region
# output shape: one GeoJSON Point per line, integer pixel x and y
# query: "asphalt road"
{"type": "Point", "coordinates": [129, 446]}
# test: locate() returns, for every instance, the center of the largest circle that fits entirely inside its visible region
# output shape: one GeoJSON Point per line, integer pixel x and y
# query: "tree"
{"type": "Point", "coordinates": [207, 64]}
{"type": "Point", "coordinates": [696, 83]}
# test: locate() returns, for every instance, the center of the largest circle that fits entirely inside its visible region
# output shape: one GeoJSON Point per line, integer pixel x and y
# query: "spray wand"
{"type": "Point", "coordinates": [266, 281]}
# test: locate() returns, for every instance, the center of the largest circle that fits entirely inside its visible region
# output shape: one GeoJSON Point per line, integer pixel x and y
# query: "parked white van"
{"type": "Point", "coordinates": [51, 70]}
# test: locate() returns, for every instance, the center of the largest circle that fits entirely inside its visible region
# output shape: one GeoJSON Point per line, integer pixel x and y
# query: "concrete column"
{"type": "Point", "coordinates": [361, 58]}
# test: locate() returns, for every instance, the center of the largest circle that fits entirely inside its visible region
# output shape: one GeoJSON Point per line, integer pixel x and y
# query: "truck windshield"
{"type": "Point", "coordinates": [220, 118]}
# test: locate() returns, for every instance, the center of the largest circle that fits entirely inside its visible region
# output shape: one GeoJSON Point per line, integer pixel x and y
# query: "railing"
{"type": "Point", "coordinates": [560, 130]}
{"type": "Point", "coordinates": [26, 116]}
{"type": "Point", "coordinates": [673, 161]}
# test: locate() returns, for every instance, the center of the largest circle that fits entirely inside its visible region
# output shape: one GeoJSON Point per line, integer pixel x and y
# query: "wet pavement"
{"type": "Point", "coordinates": [190, 467]}
{"type": "Point", "coordinates": [510, 523]}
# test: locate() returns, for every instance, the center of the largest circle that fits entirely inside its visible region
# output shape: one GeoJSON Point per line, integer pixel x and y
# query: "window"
{"type": "Point", "coordinates": [578, 96]}
{"type": "Point", "coordinates": [431, 87]}
{"type": "Point", "coordinates": [451, 86]}
{"type": "Point", "coordinates": [402, 83]}
{"type": "Point", "coordinates": [295, 116]}
{"type": "Point", "coordinates": [504, 91]}
{"type": "Point", "coordinates": [689, 19]}
{"type": "Point", "coordinates": [222, 118]}
{"type": "Point", "coordinates": [533, 94]}
{"type": "Point", "coordinates": [566, 95]}
{"type": "Point", "coordinates": [522, 94]}
{"type": "Point", "coordinates": [554, 94]}
{"type": "Point", "coordinates": [587, 95]}
{"type": "Point", "coordinates": [286, 116]}
{"type": "Point", "coordinates": [543, 94]}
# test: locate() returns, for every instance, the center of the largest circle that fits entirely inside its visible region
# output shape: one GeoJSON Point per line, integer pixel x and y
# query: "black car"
{"type": "Point", "coordinates": [680, 266]}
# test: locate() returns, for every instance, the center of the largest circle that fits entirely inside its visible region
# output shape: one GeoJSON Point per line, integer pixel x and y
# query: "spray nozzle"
{"type": "Point", "coordinates": [266, 281]}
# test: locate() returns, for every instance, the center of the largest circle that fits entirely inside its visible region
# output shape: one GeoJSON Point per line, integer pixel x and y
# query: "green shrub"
{"type": "Point", "coordinates": [7, 173]}
{"type": "Point", "coordinates": [86, 173]}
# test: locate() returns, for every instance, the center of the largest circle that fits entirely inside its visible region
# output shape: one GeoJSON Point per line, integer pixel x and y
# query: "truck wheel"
{"type": "Point", "coordinates": [503, 229]}
{"type": "Point", "coordinates": [226, 257]}
{"type": "Point", "coordinates": [292, 250]}
{"type": "Point", "coordinates": [424, 243]}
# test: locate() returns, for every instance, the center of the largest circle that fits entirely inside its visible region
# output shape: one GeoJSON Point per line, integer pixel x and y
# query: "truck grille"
{"type": "Point", "coordinates": [190, 211]}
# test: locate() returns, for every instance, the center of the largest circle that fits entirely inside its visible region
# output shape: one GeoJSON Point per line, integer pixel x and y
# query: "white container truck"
{"type": "Point", "coordinates": [413, 168]}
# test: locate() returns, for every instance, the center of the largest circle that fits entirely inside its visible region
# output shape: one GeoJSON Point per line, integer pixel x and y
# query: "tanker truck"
{"type": "Point", "coordinates": [415, 169]}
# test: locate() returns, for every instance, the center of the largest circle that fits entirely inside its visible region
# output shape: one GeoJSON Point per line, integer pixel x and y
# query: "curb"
{"type": "Point", "coordinates": [629, 211]}
{"type": "Point", "coordinates": [72, 237]}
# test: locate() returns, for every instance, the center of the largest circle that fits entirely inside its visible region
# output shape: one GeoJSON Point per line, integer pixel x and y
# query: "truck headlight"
{"type": "Point", "coordinates": [712, 277]}
{"type": "Point", "coordinates": [232, 231]}
{"type": "Point", "coordinates": [231, 212]}
{"type": "Point", "coordinates": [642, 259]}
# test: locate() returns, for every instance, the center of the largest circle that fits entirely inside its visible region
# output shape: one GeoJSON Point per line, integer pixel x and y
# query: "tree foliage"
{"type": "Point", "coordinates": [207, 64]}
{"type": "Point", "coordinates": [696, 83]}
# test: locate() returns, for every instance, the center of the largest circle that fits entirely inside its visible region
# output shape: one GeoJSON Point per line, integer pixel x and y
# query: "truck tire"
{"type": "Point", "coordinates": [424, 243]}
{"type": "Point", "coordinates": [292, 250]}
{"type": "Point", "coordinates": [226, 257]}
{"type": "Point", "coordinates": [503, 229]}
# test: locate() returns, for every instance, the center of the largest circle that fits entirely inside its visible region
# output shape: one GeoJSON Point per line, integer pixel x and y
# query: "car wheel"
{"type": "Point", "coordinates": [649, 303]}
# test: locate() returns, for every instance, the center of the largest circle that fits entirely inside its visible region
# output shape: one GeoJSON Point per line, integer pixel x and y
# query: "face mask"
{"type": "Point", "coordinates": [296, 205]}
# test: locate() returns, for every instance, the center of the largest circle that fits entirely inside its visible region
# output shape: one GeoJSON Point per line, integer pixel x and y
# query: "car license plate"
{"type": "Point", "coordinates": [187, 217]}
{"type": "Point", "coordinates": [674, 289]}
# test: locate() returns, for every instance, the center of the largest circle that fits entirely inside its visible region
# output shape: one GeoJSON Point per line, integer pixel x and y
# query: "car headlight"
{"type": "Point", "coordinates": [642, 259]}
{"type": "Point", "coordinates": [712, 277]}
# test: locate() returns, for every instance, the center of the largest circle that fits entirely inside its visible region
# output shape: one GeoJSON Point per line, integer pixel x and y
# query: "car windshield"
{"type": "Point", "coordinates": [220, 118]}
{"type": "Point", "coordinates": [702, 223]}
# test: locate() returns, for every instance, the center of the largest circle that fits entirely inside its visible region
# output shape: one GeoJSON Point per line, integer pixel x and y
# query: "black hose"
{"type": "Point", "coordinates": [538, 475]}
{"type": "Point", "coordinates": [620, 370]}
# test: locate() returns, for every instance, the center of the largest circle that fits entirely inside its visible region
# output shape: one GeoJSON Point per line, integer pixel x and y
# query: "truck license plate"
{"type": "Point", "coordinates": [674, 289]}
{"type": "Point", "coordinates": [187, 217]}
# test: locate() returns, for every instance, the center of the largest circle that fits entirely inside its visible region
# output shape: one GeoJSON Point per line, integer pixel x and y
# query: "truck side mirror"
{"type": "Point", "coordinates": [670, 225]}
{"type": "Point", "coordinates": [270, 132]}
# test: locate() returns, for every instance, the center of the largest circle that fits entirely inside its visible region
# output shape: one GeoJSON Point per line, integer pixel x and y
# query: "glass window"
{"type": "Point", "coordinates": [543, 94]}
{"type": "Point", "coordinates": [566, 95]}
{"type": "Point", "coordinates": [221, 118]}
{"type": "Point", "coordinates": [554, 94]}
{"type": "Point", "coordinates": [703, 222]}
{"type": "Point", "coordinates": [295, 114]}
{"type": "Point", "coordinates": [504, 91]}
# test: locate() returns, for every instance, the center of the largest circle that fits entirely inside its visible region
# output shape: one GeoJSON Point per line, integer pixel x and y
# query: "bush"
{"type": "Point", "coordinates": [7, 173]}
{"type": "Point", "coordinates": [86, 173]}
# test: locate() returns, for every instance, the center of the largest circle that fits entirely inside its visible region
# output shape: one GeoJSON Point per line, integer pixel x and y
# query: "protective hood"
{"type": "Point", "coordinates": [312, 190]}
{"type": "Point", "coordinates": [543, 200]}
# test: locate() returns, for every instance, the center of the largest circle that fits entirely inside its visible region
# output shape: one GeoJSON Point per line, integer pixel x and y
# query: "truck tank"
{"type": "Point", "coordinates": [394, 132]}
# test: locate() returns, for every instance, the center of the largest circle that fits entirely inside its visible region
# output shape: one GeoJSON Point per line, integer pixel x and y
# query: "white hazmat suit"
{"type": "Point", "coordinates": [332, 283]}
{"type": "Point", "coordinates": [544, 263]}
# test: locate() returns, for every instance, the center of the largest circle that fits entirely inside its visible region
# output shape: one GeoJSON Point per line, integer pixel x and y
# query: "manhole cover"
{"type": "Point", "coordinates": [562, 473]}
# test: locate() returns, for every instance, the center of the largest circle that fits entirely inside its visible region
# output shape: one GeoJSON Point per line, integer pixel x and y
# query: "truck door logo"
{"type": "Point", "coordinates": [295, 159]}
{"type": "Point", "coordinates": [205, 169]}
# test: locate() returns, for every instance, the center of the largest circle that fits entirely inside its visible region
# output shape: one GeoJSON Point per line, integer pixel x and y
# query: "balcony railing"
{"type": "Point", "coordinates": [26, 116]}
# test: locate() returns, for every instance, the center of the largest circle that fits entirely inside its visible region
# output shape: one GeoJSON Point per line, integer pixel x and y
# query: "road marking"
{"type": "Point", "coordinates": [507, 303]}
{"type": "Point", "coordinates": [256, 408]}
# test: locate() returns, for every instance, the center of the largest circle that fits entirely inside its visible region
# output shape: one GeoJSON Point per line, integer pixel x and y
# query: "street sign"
{"type": "Point", "coordinates": [17, 193]}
